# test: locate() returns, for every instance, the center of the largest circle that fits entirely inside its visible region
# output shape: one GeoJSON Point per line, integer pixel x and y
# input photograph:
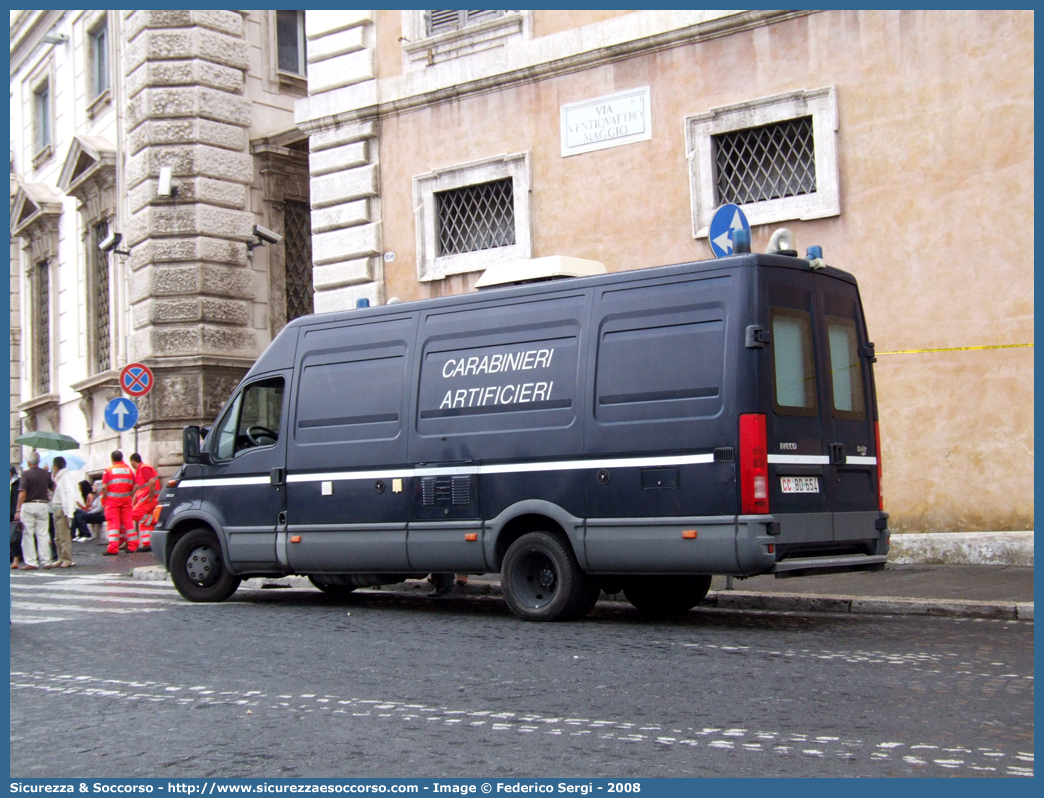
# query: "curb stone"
{"type": "Point", "coordinates": [720, 599]}
{"type": "Point", "coordinates": [1014, 549]}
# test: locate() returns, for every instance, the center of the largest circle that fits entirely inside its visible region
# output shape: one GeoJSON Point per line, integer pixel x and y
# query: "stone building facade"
{"type": "Point", "coordinates": [919, 151]}
{"type": "Point", "coordinates": [101, 102]}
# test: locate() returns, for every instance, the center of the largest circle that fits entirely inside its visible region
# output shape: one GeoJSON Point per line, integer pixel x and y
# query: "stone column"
{"type": "Point", "coordinates": [190, 285]}
{"type": "Point", "coordinates": [346, 228]}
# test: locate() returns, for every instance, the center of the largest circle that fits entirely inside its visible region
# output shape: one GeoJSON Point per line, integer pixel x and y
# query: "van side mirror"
{"type": "Point", "coordinates": [190, 445]}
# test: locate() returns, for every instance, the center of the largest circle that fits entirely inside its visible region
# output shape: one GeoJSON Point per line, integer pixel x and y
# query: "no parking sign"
{"type": "Point", "coordinates": [136, 379]}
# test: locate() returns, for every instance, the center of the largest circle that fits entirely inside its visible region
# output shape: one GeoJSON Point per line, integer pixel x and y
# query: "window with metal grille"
{"type": "Point", "coordinates": [43, 328]}
{"type": "Point", "coordinates": [297, 240]}
{"type": "Point", "coordinates": [766, 162]}
{"type": "Point", "coordinates": [99, 288]}
{"type": "Point", "coordinates": [481, 216]}
{"type": "Point", "coordinates": [444, 21]}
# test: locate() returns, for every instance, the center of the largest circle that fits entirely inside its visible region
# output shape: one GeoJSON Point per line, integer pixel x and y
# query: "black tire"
{"type": "Point", "coordinates": [333, 584]}
{"type": "Point", "coordinates": [662, 595]}
{"type": "Point", "coordinates": [197, 569]}
{"type": "Point", "coordinates": [543, 582]}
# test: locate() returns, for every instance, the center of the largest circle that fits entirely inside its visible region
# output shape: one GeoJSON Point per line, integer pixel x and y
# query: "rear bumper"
{"type": "Point", "coordinates": [823, 543]}
{"type": "Point", "coordinates": [829, 565]}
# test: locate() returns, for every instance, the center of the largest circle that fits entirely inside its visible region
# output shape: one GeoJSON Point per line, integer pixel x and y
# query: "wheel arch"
{"type": "Point", "coordinates": [533, 516]}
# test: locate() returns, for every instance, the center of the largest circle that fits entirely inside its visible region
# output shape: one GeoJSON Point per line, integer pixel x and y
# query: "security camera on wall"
{"type": "Point", "coordinates": [265, 234]}
{"type": "Point", "coordinates": [166, 186]}
{"type": "Point", "coordinates": [110, 242]}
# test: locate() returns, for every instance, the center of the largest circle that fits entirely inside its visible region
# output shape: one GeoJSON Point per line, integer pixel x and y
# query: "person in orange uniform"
{"type": "Point", "coordinates": [146, 489]}
{"type": "Point", "coordinates": [117, 497]}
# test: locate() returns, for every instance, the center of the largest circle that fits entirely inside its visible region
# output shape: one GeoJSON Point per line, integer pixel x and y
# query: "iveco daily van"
{"type": "Point", "coordinates": [638, 431]}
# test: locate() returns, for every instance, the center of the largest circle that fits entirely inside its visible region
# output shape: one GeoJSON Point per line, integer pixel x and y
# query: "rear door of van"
{"type": "Point", "coordinates": [820, 419]}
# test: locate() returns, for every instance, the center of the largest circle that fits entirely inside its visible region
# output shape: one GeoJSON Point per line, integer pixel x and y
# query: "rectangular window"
{"type": "Point", "coordinates": [43, 328]}
{"type": "Point", "coordinates": [252, 421]}
{"type": "Point", "coordinates": [476, 217]}
{"type": "Point", "coordinates": [775, 156]}
{"type": "Point", "coordinates": [99, 299]}
{"type": "Point", "coordinates": [765, 163]}
{"type": "Point", "coordinates": [99, 60]}
{"type": "Point", "coordinates": [42, 115]}
{"type": "Point", "coordinates": [445, 21]}
{"type": "Point", "coordinates": [290, 42]}
{"type": "Point", "coordinates": [297, 244]}
{"type": "Point", "coordinates": [846, 369]}
{"type": "Point", "coordinates": [793, 366]}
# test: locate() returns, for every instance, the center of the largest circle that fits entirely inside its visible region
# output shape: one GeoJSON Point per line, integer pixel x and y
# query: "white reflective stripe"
{"type": "Point", "coordinates": [507, 468]}
{"type": "Point", "coordinates": [399, 474]}
{"type": "Point", "coordinates": [799, 459]}
{"type": "Point", "coordinates": [861, 461]}
{"type": "Point", "coordinates": [497, 468]}
{"type": "Point", "coordinates": [199, 483]}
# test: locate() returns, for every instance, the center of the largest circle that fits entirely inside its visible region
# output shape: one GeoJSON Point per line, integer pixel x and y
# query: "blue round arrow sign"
{"type": "Point", "coordinates": [121, 414]}
{"type": "Point", "coordinates": [726, 219]}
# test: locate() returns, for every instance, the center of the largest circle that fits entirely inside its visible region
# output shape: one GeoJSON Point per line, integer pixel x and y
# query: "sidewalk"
{"type": "Point", "coordinates": [960, 591]}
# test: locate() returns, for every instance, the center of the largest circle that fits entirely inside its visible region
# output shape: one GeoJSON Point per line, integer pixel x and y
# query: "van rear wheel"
{"type": "Point", "coordinates": [543, 582]}
{"type": "Point", "coordinates": [661, 595]}
{"type": "Point", "coordinates": [197, 569]}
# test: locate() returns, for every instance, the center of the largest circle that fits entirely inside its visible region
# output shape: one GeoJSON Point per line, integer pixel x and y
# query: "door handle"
{"type": "Point", "coordinates": [278, 476]}
{"type": "Point", "coordinates": [837, 454]}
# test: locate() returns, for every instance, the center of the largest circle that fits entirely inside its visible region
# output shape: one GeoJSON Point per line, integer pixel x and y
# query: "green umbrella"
{"type": "Point", "coordinates": [48, 440]}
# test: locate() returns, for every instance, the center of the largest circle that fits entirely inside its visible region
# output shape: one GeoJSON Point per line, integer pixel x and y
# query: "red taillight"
{"type": "Point", "coordinates": [753, 464]}
{"type": "Point", "coordinates": [877, 443]}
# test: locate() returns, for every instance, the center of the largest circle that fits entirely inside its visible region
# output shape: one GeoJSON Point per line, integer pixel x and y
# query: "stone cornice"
{"type": "Point", "coordinates": [107, 379]}
{"type": "Point", "coordinates": [99, 169]}
{"type": "Point", "coordinates": [526, 62]}
{"type": "Point", "coordinates": [33, 206]}
{"type": "Point", "coordinates": [38, 402]}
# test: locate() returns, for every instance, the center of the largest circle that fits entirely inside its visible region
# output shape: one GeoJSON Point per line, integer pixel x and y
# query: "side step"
{"type": "Point", "coordinates": [829, 565]}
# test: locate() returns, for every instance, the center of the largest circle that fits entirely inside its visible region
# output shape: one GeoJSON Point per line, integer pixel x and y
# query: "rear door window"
{"type": "Point", "coordinates": [794, 373]}
{"type": "Point", "coordinates": [846, 370]}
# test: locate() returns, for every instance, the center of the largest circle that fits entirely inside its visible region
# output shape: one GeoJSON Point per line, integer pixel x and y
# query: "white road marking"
{"type": "Point", "coordinates": [740, 741]}
{"type": "Point", "coordinates": [53, 597]}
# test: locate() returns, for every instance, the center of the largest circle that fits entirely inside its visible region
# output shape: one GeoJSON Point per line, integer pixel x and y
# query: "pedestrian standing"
{"type": "Point", "coordinates": [146, 489]}
{"type": "Point", "coordinates": [63, 505]}
{"type": "Point", "coordinates": [16, 526]}
{"type": "Point", "coordinates": [32, 512]}
{"type": "Point", "coordinates": [117, 493]}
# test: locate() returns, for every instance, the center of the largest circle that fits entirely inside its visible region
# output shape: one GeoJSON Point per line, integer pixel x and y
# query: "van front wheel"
{"type": "Point", "coordinates": [660, 595]}
{"type": "Point", "coordinates": [197, 570]}
{"type": "Point", "coordinates": [543, 582]}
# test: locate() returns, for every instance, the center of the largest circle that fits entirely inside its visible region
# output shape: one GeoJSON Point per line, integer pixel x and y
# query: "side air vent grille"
{"type": "Point", "coordinates": [724, 454]}
{"type": "Point", "coordinates": [446, 490]}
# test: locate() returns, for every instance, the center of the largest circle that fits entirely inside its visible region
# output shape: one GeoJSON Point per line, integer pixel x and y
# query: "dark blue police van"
{"type": "Point", "coordinates": [638, 431]}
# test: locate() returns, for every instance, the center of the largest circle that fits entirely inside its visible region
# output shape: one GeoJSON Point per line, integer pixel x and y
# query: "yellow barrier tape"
{"type": "Point", "coordinates": [951, 349]}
